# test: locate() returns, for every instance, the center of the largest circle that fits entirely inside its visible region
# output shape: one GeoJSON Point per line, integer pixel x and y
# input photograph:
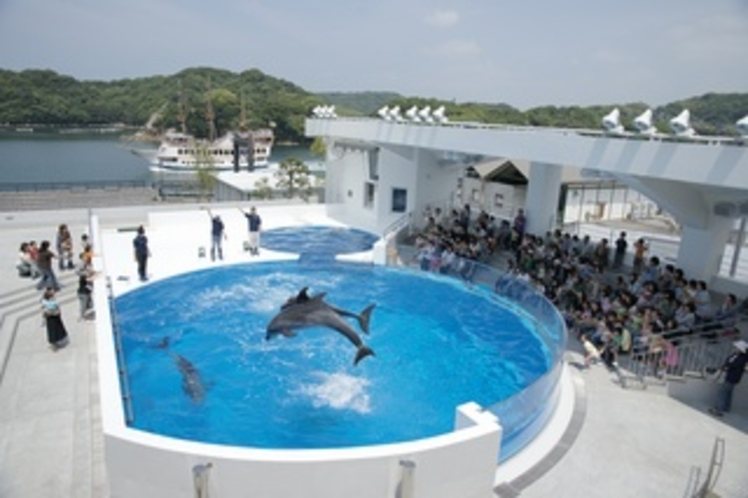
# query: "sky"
{"type": "Point", "coordinates": [524, 53]}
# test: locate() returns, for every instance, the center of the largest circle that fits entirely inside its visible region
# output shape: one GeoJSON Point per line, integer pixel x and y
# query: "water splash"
{"type": "Point", "coordinates": [339, 391]}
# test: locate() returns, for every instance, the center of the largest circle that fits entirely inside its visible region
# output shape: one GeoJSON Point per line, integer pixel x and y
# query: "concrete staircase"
{"type": "Point", "coordinates": [50, 422]}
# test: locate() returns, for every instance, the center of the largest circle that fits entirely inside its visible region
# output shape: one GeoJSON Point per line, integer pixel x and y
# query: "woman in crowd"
{"type": "Point", "coordinates": [57, 335]}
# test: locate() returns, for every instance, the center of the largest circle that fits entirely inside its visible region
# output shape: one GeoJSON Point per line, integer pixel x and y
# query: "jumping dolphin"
{"type": "Point", "coordinates": [363, 317]}
{"type": "Point", "coordinates": [192, 384]}
{"type": "Point", "coordinates": [303, 311]}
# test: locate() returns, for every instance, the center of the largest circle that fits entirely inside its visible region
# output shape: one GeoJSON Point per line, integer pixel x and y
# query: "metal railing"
{"type": "Point", "coordinates": [683, 353]}
{"type": "Point", "coordinates": [735, 141]}
{"type": "Point", "coordinates": [121, 364]}
{"type": "Point", "coordinates": [75, 186]}
{"type": "Point", "coordinates": [697, 489]}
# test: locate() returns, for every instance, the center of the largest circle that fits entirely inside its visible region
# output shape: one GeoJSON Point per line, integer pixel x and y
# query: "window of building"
{"type": "Point", "coordinates": [370, 193]}
{"type": "Point", "coordinates": [399, 200]}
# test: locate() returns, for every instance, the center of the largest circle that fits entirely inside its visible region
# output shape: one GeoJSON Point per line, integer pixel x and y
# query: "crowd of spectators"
{"type": "Point", "coordinates": [611, 308]}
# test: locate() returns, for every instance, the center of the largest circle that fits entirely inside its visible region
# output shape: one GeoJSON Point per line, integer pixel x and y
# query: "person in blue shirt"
{"type": "Point", "coordinates": [217, 234]}
{"type": "Point", "coordinates": [254, 224]}
{"type": "Point", "coordinates": [142, 253]}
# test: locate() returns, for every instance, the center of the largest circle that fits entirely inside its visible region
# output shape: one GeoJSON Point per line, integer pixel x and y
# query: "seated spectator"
{"type": "Point", "coordinates": [685, 316]}
{"type": "Point", "coordinates": [703, 302]}
{"type": "Point", "coordinates": [26, 266]}
{"type": "Point", "coordinates": [727, 313]}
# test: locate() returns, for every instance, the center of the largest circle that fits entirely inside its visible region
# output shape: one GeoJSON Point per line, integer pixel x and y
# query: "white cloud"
{"type": "Point", "coordinates": [443, 18]}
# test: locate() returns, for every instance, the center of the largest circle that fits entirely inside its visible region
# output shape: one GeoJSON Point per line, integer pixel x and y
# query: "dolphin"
{"type": "Point", "coordinates": [303, 311]}
{"type": "Point", "coordinates": [363, 318]}
{"type": "Point", "coordinates": [192, 384]}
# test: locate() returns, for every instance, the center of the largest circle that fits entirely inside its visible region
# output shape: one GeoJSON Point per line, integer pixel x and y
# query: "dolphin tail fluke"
{"type": "Point", "coordinates": [363, 318]}
{"type": "Point", "coordinates": [363, 352]}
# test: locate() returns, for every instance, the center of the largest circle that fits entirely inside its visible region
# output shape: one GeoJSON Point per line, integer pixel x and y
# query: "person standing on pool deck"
{"type": "Point", "coordinates": [217, 234]}
{"type": "Point", "coordinates": [255, 222]}
{"type": "Point", "coordinates": [142, 253]}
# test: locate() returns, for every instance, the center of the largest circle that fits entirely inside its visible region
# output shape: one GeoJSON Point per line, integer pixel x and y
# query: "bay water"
{"type": "Point", "coordinates": [42, 158]}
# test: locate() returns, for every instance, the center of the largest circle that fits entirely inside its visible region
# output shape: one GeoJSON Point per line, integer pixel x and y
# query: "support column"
{"type": "Point", "coordinates": [541, 204]}
{"type": "Point", "coordinates": [701, 249]}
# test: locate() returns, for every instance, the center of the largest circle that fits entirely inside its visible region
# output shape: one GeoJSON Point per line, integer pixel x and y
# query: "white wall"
{"type": "Point", "coordinates": [513, 197]}
{"type": "Point", "coordinates": [415, 170]}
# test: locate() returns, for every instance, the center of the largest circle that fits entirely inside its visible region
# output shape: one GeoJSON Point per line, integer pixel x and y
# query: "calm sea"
{"type": "Point", "coordinates": [81, 158]}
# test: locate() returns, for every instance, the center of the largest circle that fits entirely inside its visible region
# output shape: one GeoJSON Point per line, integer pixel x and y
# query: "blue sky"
{"type": "Point", "coordinates": [523, 53]}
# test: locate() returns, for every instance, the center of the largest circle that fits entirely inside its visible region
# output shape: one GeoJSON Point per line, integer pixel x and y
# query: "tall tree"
{"type": "Point", "coordinates": [293, 176]}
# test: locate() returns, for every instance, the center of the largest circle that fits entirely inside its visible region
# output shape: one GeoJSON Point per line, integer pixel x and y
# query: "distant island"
{"type": "Point", "coordinates": [45, 98]}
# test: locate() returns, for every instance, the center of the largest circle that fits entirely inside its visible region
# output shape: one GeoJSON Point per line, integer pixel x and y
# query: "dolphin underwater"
{"type": "Point", "coordinates": [303, 311]}
{"type": "Point", "coordinates": [192, 384]}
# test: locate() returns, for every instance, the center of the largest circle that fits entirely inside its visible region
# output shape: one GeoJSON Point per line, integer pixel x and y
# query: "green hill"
{"type": "Point", "coordinates": [46, 98]}
{"type": "Point", "coordinates": [43, 97]}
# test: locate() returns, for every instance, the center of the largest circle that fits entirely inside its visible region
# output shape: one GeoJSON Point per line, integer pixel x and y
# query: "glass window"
{"type": "Point", "coordinates": [370, 192]}
{"type": "Point", "coordinates": [399, 200]}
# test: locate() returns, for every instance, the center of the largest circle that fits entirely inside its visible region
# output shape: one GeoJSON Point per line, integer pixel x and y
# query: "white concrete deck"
{"type": "Point", "coordinates": [175, 237]}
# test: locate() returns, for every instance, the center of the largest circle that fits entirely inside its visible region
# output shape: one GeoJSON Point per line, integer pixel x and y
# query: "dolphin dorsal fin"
{"type": "Point", "coordinates": [302, 296]}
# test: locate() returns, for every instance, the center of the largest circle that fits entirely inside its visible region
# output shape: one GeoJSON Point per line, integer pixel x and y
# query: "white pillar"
{"type": "Point", "coordinates": [701, 249]}
{"type": "Point", "coordinates": [541, 204]}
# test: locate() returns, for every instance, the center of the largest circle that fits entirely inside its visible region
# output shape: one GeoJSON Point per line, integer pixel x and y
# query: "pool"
{"type": "Point", "coordinates": [300, 415]}
{"type": "Point", "coordinates": [438, 344]}
{"type": "Point", "coordinates": [316, 240]}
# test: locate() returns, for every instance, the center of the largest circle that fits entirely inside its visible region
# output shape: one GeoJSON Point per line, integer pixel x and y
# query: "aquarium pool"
{"type": "Point", "coordinates": [438, 344]}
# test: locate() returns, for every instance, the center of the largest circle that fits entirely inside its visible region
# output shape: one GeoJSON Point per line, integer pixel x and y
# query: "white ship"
{"type": "Point", "coordinates": [242, 150]}
{"type": "Point", "coordinates": [235, 151]}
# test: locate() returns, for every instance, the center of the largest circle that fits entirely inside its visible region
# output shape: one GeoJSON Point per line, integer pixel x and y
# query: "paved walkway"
{"type": "Point", "coordinates": [621, 442]}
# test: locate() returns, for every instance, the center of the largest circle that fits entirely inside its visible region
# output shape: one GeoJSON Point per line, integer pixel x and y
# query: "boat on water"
{"type": "Point", "coordinates": [234, 151]}
{"type": "Point", "coordinates": [243, 149]}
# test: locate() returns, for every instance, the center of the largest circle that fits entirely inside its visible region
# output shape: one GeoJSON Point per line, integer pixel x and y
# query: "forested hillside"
{"type": "Point", "coordinates": [47, 98]}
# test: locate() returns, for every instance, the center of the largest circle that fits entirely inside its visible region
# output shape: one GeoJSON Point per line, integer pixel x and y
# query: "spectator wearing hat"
{"type": "Point", "coordinates": [733, 369]}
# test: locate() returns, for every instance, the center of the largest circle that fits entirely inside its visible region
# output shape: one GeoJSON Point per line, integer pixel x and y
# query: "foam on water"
{"type": "Point", "coordinates": [339, 391]}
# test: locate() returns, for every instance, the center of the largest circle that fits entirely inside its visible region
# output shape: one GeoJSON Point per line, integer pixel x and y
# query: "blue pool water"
{"type": "Point", "coordinates": [317, 240]}
{"type": "Point", "coordinates": [438, 343]}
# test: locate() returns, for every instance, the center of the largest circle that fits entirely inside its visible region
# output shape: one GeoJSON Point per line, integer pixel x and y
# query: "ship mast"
{"type": "Point", "coordinates": [182, 113]}
{"type": "Point", "coordinates": [210, 115]}
{"type": "Point", "coordinates": [243, 116]}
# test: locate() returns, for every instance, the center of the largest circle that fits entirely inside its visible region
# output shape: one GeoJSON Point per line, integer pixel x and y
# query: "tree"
{"type": "Point", "coordinates": [262, 189]}
{"type": "Point", "coordinates": [205, 170]}
{"type": "Point", "coordinates": [318, 148]}
{"type": "Point", "coordinates": [293, 176]}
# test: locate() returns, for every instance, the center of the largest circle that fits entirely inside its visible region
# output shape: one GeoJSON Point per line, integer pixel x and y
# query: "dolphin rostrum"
{"type": "Point", "coordinates": [303, 311]}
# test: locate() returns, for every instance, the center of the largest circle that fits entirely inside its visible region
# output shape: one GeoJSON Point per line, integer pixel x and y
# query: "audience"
{"type": "Point", "coordinates": [644, 312]}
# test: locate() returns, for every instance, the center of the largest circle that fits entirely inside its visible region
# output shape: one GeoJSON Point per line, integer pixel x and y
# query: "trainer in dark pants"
{"type": "Point", "coordinates": [140, 243]}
